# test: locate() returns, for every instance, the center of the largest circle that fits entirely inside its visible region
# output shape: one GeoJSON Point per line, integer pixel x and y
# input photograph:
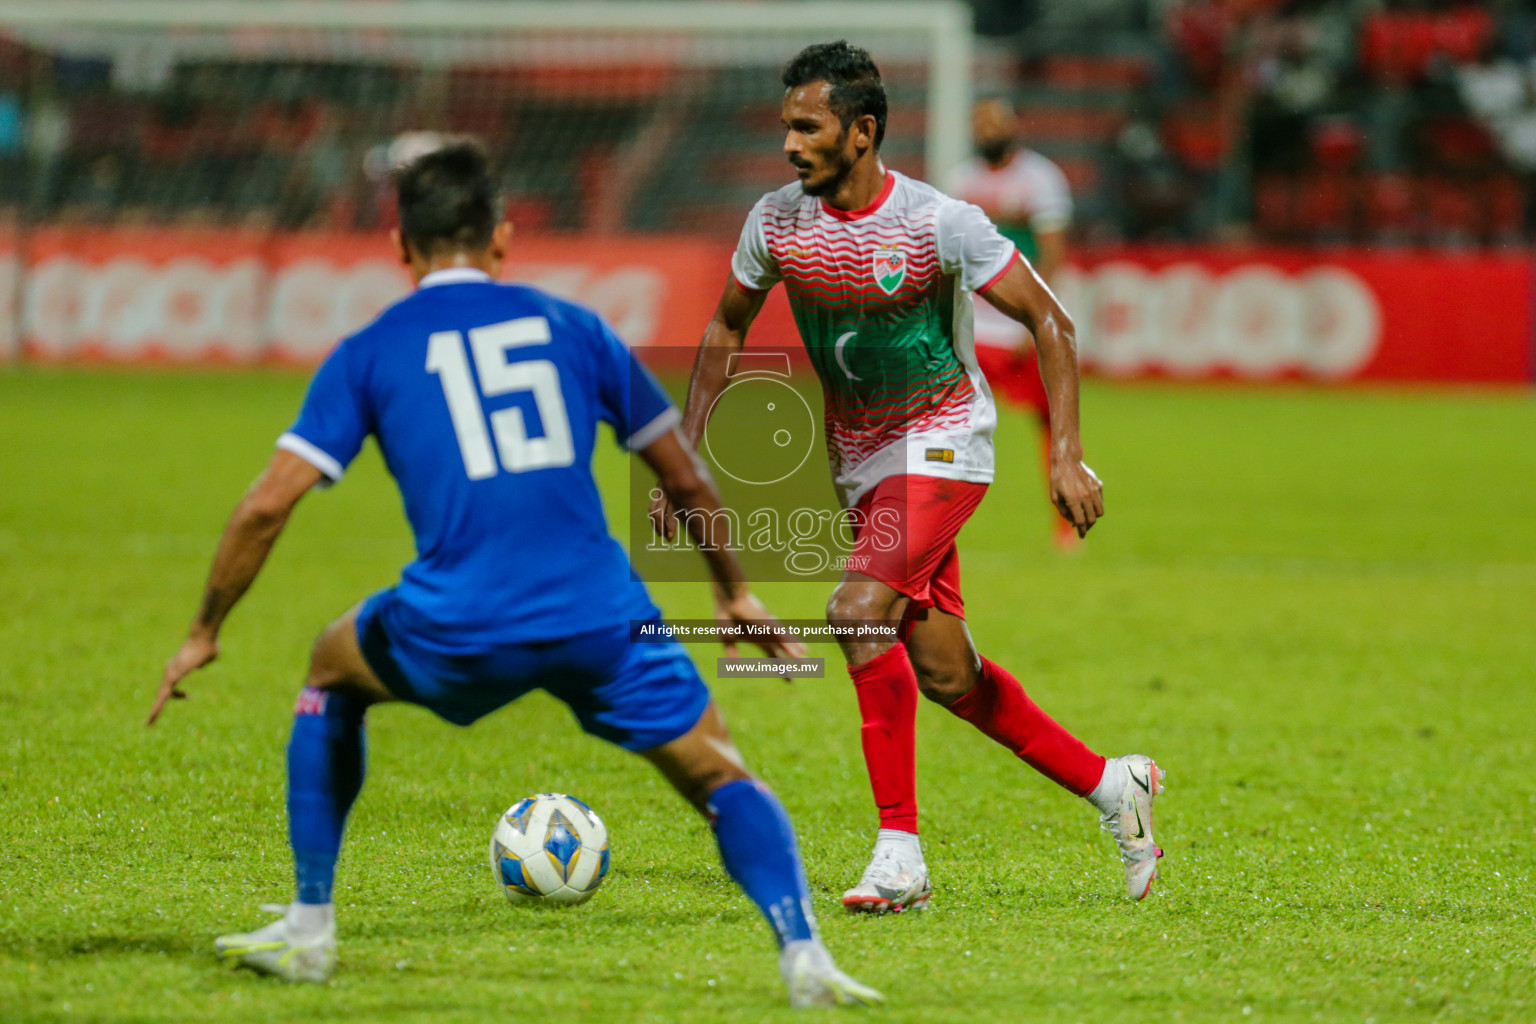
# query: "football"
{"type": "Point", "coordinates": [549, 847]}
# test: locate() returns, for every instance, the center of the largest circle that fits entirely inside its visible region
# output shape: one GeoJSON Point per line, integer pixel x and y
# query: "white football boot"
{"type": "Point", "coordinates": [814, 980]}
{"type": "Point", "coordinates": [1128, 817]}
{"type": "Point", "coordinates": [276, 951]}
{"type": "Point", "coordinates": [896, 880]}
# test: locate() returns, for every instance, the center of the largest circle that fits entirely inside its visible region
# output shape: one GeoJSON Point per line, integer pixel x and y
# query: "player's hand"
{"type": "Point", "coordinates": [1077, 493]}
{"type": "Point", "coordinates": [663, 516]}
{"type": "Point", "coordinates": [742, 608]}
{"type": "Point", "coordinates": [195, 652]}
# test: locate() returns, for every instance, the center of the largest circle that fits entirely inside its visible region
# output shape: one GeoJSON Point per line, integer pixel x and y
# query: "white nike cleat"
{"type": "Point", "coordinates": [274, 950]}
{"type": "Point", "coordinates": [814, 980]}
{"type": "Point", "coordinates": [1130, 822]}
{"type": "Point", "coordinates": [892, 883]}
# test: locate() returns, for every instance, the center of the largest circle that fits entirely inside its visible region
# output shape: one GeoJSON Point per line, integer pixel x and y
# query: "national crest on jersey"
{"type": "Point", "coordinates": [890, 266]}
{"type": "Point", "coordinates": [881, 298]}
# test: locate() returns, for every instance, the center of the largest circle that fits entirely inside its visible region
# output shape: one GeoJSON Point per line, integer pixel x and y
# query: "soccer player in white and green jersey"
{"type": "Point", "coordinates": [880, 272]}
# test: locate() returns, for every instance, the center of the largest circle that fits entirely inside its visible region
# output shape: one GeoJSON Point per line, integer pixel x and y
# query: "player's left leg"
{"type": "Point", "coordinates": [758, 848]}
{"type": "Point", "coordinates": [651, 700]}
{"type": "Point", "coordinates": [325, 775]}
{"type": "Point", "coordinates": [951, 673]}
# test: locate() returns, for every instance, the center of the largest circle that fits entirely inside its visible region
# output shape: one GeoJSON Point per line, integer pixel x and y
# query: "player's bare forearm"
{"type": "Point", "coordinates": [248, 537]}
{"type": "Point", "coordinates": [1056, 348]}
{"type": "Point", "coordinates": [243, 549]}
{"type": "Point", "coordinates": [685, 482]}
{"type": "Point", "coordinates": [250, 533]}
{"type": "Point", "coordinates": [1022, 295]}
{"type": "Point", "coordinates": [724, 336]}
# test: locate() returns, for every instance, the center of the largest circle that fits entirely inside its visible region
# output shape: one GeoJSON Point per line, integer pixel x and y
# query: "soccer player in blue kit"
{"type": "Point", "coordinates": [484, 399]}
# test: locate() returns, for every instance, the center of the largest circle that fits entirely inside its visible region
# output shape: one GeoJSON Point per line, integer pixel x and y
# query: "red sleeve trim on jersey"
{"type": "Point", "coordinates": [746, 287]}
{"type": "Point", "coordinates": [879, 201]}
{"type": "Point", "coordinates": [1001, 273]}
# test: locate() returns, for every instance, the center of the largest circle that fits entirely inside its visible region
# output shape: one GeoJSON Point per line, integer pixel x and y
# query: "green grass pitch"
{"type": "Point", "coordinates": [1316, 609]}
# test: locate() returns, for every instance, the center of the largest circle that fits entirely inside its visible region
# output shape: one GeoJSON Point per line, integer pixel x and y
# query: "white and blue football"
{"type": "Point", "coordinates": [549, 847]}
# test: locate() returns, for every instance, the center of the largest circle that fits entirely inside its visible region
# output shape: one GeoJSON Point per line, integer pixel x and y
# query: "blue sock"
{"type": "Point", "coordinates": [325, 773]}
{"type": "Point", "coordinates": [757, 845]}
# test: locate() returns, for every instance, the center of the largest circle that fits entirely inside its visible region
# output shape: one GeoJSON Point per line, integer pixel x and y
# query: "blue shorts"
{"type": "Point", "coordinates": [637, 695]}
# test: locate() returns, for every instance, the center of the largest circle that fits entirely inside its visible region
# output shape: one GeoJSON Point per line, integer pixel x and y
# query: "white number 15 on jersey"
{"type": "Point", "coordinates": [498, 376]}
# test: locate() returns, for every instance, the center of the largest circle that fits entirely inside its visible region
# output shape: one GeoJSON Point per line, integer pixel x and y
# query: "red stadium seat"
{"type": "Point", "coordinates": [1073, 124]}
{"type": "Point", "coordinates": [1274, 208]}
{"type": "Point", "coordinates": [1199, 32]}
{"type": "Point", "coordinates": [1081, 172]}
{"type": "Point", "coordinates": [1399, 45]}
{"type": "Point", "coordinates": [1504, 199]}
{"type": "Point", "coordinates": [1390, 210]}
{"type": "Point", "coordinates": [1460, 144]}
{"type": "Point", "coordinates": [1192, 131]}
{"type": "Point", "coordinates": [1463, 34]}
{"type": "Point", "coordinates": [1336, 144]}
{"type": "Point", "coordinates": [1453, 208]}
{"type": "Point", "coordinates": [1326, 206]}
{"type": "Point", "coordinates": [1091, 71]}
{"type": "Point", "coordinates": [530, 214]}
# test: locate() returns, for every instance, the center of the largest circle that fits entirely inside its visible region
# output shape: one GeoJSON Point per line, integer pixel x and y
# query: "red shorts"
{"type": "Point", "coordinates": [1014, 374]}
{"type": "Point", "coordinates": [906, 537]}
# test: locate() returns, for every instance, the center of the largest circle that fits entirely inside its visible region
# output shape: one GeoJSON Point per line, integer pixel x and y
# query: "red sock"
{"type": "Point", "coordinates": [887, 690]}
{"type": "Point", "coordinates": [999, 707]}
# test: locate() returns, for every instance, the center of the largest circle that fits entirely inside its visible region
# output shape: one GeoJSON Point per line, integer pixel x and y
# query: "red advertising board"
{"type": "Point", "coordinates": [220, 296]}
{"type": "Point", "coordinates": [205, 295]}
{"type": "Point", "coordinates": [1260, 314]}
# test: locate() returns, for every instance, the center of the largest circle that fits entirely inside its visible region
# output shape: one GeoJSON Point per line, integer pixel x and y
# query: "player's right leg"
{"type": "Point", "coordinates": [758, 848]}
{"type": "Point", "coordinates": [325, 774]}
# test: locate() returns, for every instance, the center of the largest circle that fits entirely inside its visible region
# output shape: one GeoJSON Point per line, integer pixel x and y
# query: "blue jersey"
{"type": "Point", "coordinates": [485, 400]}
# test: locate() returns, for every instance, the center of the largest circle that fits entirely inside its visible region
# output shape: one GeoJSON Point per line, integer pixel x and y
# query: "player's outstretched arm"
{"type": "Point", "coordinates": [248, 538]}
{"type": "Point", "coordinates": [686, 484]}
{"type": "Point", "coordinates": [1022, 295]}
{"type": "Point", "coordinates": [723, 337]}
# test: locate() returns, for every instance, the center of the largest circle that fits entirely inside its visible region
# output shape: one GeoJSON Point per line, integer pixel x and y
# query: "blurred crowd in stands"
{"type": "Point", "coordinates": [1289, 121]}
{"type": "Point", "coordinates": [257, 144]}
{"type": "Point", "coordinates": [1332, 121]}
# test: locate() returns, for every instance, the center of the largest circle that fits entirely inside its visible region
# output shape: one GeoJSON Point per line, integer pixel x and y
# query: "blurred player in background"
{"type": "Point", "coordinates": [1027, 198]}
{"type": "Point", "coordinates": [517, 585]}
{"type": "Point", "coordinates": [880, 271]}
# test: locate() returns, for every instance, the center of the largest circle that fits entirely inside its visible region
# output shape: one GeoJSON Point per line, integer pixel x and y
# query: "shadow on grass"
{"type": "Point", "coordinates": [59, 947]}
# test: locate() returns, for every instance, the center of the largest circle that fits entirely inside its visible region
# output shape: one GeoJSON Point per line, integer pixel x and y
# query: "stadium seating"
{"type": "Point", "coordinates": [1386, 153]}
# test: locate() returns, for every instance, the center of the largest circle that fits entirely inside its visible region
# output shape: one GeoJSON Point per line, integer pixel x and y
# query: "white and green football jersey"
{"type": "Point", "coordinates": [882, 298]}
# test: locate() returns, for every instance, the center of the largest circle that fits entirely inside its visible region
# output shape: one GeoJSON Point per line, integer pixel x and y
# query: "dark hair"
{"type": "Point", "coordinates": [448, 200]}
{"type": "Point", "coordinates": [856, 87]}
